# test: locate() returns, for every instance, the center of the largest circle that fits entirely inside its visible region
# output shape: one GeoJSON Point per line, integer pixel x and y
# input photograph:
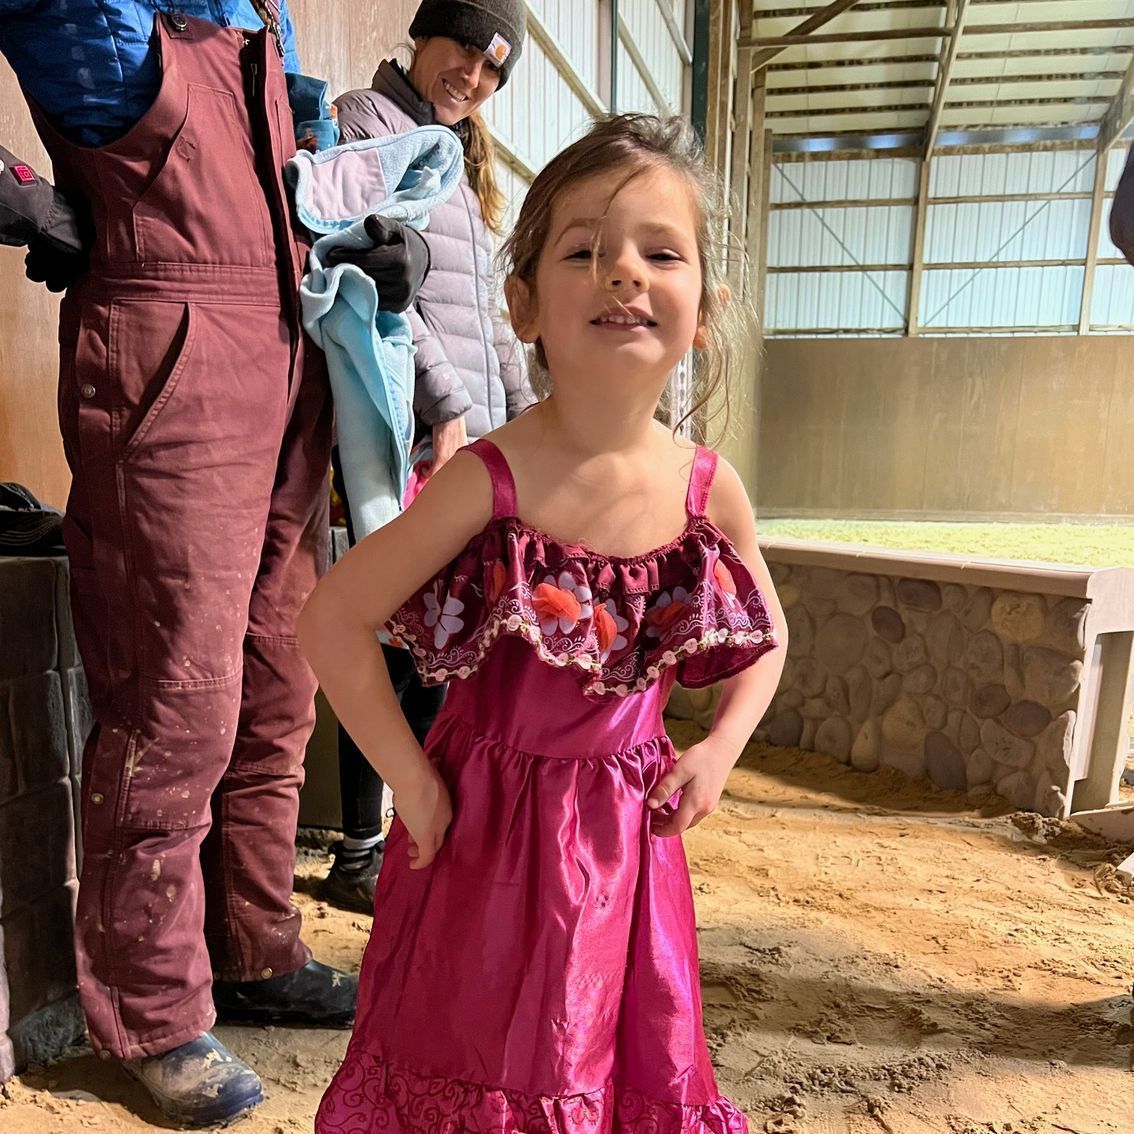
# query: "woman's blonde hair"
{"type": "Point", "coordinates": [630, 145]}
{"type": "Point", "coordinates": [480, 168]}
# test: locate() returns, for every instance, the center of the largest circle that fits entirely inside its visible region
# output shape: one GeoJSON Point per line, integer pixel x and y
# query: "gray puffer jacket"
{"type": "Point", "coordinates": [468, 361]}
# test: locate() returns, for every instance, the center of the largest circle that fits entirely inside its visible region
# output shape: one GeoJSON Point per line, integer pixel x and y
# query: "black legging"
{"type": "Point", "coordinates": [360, 786]}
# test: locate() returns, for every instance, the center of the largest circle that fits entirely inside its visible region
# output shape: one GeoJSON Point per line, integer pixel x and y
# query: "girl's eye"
{"type": "Point", "coordinates": [665, 257]}
{"type": "Point", "coordinates": [579, 254]}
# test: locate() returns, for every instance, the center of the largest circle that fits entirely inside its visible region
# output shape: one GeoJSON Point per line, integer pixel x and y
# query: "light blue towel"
{"type": "Point", "coordinates": [369, 352]}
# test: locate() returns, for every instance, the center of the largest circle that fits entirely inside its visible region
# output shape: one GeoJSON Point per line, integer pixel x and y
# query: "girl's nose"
{"type": "Point", "coordinates": [622, 274]}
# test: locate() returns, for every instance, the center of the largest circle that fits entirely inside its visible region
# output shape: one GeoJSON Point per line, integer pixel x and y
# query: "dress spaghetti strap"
{"type": "Point", "coordinates": [503, 486]}
{"type": "Point", "coordinates": [700, 481]}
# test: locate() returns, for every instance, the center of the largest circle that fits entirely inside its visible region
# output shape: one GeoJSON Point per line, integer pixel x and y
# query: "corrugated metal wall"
{"type": "Point", "coordinates": [568, 42]}
{"type": "Point", "coordinates": [813, 227]}
{"type": "Point", "coordinates": [1005, 250]}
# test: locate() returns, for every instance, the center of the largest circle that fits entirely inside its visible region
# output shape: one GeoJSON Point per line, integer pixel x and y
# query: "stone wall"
{"type": "Point", "coordinates": [966, 685]}
{"type": "Point", "coordinates": [42, 726]}
{"type": "Point", "coordinates": [1007, 676]}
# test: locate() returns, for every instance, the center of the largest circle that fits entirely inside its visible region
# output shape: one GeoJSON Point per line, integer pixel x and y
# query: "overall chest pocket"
{"type": "Point", "coordinates": [205, 204]}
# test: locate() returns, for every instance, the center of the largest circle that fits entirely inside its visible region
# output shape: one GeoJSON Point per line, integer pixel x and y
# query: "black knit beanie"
{"type": "Point", "coordinates": [495, 26]}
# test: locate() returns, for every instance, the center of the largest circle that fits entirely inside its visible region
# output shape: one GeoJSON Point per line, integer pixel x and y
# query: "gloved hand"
{"type": "Point", "coordinates": [398, 263]}
{"type": "Point", "coordinates": [56, 267]}
{"type": "Point", "coordinates": [57, 254]}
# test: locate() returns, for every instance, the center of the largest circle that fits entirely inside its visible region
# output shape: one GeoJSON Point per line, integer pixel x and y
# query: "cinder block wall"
{"type": "Point", "coordinates": [43, 721]}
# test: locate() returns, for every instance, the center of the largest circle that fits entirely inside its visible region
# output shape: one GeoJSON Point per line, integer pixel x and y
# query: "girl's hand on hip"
{"type": "Point", "coordinates": [699, 774]}
{"type": "Point", "coordinates": [424, 806]}
{"type": "Point", "coordinates": [448, 437]}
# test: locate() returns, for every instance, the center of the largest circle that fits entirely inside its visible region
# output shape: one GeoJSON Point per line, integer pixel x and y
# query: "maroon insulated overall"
{"type": "Point", "coordinates": [198, 439]}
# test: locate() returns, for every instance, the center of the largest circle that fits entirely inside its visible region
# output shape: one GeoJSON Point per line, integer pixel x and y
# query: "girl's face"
{"type": "Point", "coordinates": [619, 293]}
{"type": "Point", "coordinates": [456, 77]}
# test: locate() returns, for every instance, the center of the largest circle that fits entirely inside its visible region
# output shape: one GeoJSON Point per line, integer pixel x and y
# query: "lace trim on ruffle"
{"type": "Point", "coordinates": [516, 624]}
{"type": "Point", "coordinates": [370, 1095]}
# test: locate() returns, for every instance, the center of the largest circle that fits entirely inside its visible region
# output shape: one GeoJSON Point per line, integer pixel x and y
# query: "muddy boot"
{"type": "Point", "coordinates": [200, 1083]}
{"type": "Point", "coordinates": [352, 879]}
{"type": "Point", "coordinates": [316, 995]}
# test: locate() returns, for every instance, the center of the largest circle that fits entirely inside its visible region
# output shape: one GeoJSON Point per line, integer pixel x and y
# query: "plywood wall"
{"type": "Point", "coordinates": [341, 41]}
{"type": "Point", "coordinates": [948, 427]}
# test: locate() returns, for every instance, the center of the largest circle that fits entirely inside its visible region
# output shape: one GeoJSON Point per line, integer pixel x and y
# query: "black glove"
{"type": "Point", "coordinates": [398, 263]}
{"type": "Point", "coordinates": [35, 213]}
{"type": "Point", "coordinates": [49, 264]}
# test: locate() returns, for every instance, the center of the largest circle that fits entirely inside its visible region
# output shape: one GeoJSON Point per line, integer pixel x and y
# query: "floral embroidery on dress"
{"type": "Point", "coordinates": [668, 607]}
{"type": "Point", "coordinates": [609, 629]}
{"type": "Point", "coordinates": [561, 603]}
{"type": "Point", "coordinates": [618, 624]}
{"type": "Point", "coordinates": [442, 617]}
{"type": "Point", "coordinates": [497, 581]}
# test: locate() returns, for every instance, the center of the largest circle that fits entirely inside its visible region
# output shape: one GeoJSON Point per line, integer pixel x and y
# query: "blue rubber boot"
{"type": "Point", "coordinates": [200, 1083]}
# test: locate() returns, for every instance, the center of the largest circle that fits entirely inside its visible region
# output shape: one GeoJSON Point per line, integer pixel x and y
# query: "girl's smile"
{"type": "Point", "coordinates": [618, 283]}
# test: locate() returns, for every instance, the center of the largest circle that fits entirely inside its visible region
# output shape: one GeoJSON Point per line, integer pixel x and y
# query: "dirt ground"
{"type": "Point", "coordinates": [878, 957]}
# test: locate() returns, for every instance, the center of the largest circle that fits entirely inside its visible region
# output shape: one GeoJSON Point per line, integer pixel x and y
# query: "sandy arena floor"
{"type": "Point", "coordinates": [877, 956]}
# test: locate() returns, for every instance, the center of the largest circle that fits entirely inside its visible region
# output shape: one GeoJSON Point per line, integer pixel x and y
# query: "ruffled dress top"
{"type": "Point", "coordinates": [541, 976]}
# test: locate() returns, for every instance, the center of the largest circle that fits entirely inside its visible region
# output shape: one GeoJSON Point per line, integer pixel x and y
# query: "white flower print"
{"type": "Point", "coordinates": [616, 642]}
{"type": "Point", "coordinates": [443, 616]}
{"type": "Point", "coordinates": [562, 603]}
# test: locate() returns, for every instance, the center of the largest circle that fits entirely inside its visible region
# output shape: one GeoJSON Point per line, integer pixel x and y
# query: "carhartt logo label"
{"type": "Point", "coordinates": [23, 174]}
{"type": "Point", "coordinates": [499, 49]}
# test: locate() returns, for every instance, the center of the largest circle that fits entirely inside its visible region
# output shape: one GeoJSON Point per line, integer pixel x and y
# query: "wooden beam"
{"type": "Point", "coordinates": [551, 48]}
{"type": "Point", "coordinates": [817, 20]}
{"type": "Point", "coordinates": [793, 39]}
{"type": "Point", "coordinates": [746, 109]}
{"type": "Point", "coordinates": [913, 297]}
{"type": "Point", "coordinates": [642, 67]}
{"type": "Point", "coordinates": [1120, 113]}
{"type": "Point", "coordinates": [675, 33]}
{"type": "Point", "coordinates": [1093, 233]}
{"type": "Point", "coordinates": [944, 75]}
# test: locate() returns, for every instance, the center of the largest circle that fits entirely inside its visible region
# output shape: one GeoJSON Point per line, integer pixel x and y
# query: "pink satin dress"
{"type": "Point", "coordinates": [541, 976]}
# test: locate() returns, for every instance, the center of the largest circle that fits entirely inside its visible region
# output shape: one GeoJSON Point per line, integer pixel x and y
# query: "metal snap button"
{"type": "Point", "coordinates": [96, 797]}
{"type": "Point", "coordinates": [87, 390]}
{"type": "Point", "coordinates": [265, 973]}
{"type": "Point", "coordinates": [179, 21]}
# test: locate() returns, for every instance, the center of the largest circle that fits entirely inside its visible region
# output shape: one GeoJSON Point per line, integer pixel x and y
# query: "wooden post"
{"type": "Point", "coordinates": [913, 324]}
{"type": "Point", "coordinates": [1093, 233]}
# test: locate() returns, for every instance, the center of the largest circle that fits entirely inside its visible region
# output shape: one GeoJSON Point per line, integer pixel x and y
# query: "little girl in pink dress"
{"type": "Point", "coordinates": [533, 963]}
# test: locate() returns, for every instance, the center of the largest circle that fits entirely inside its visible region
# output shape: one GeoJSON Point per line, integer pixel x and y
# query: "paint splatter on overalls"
{"type": "Point", "coordinates": [197, 429]}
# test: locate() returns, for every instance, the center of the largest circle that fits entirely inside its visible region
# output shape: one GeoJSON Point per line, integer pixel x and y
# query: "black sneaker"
{"type": "Point", "coordinates": [350, 884]}
{"type": "Point", "coordinates": [316, 995]}
{"type": "Point", "coordinates": [200, 1083]}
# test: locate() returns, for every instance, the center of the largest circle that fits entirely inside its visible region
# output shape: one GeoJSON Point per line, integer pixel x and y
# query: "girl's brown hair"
{"type": "Point", "coordinates": [632, 144]}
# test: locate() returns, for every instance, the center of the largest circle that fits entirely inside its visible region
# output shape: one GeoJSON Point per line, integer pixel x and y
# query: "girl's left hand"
{"type": "Point", "coordinates": [699, 774]}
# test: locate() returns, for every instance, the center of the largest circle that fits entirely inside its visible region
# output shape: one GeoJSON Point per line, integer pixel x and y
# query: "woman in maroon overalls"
{"type": "Point", "coordinates": [197, 428]}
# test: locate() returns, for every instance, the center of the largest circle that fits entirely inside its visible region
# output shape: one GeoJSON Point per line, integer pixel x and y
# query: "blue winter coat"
{"type": "Point", "coordinates": [91, 65]}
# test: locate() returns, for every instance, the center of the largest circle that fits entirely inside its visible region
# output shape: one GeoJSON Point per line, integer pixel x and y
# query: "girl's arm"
{"type": "Point", "coordinates": [337, 631]}
{"type": "Point", "coordinates": [701, 771]}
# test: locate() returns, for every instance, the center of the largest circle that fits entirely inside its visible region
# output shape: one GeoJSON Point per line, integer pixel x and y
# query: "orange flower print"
{"type": "Point", "coordinates": [497, 577]}
{"type": "Point", "coordinates": [724, 578]}
{"type": "Point", "coordinates": [668, 608]}
{"type": "Point", "coordinates": [609, 625]}
{"type": "Point", "coordinates": [561, 604]}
